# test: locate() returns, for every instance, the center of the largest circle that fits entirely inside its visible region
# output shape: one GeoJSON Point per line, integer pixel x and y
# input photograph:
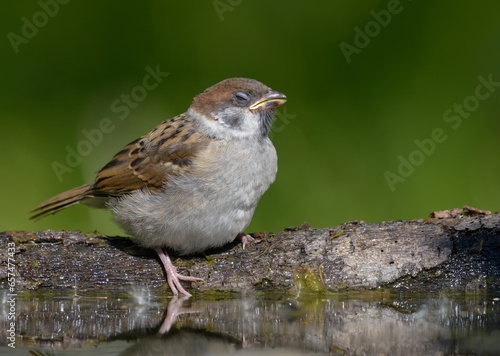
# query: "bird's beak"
{"type": "Point", "coordinates": [271, 100]}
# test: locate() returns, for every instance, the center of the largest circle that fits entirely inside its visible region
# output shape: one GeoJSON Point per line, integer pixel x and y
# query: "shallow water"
{"type": "Point", "coordinates": [264, 323]}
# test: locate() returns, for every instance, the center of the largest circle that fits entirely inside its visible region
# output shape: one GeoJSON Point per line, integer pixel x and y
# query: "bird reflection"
{"type": "Point", "coordinates": [185, 341]}
{"type": "Point", "coordinates": [175, 308]}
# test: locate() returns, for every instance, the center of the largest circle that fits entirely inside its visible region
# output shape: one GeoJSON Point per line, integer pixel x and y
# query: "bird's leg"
{"type": "Point", "coordinates": [173, 276]}
{"type": "Point", "coordinates": [244, 238]}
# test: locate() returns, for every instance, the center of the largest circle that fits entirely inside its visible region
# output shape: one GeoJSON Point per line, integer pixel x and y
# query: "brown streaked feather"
{"type": "Point", "coordinates": [150, 160]}
{"type": "Point", "coordinates": [144, 163]}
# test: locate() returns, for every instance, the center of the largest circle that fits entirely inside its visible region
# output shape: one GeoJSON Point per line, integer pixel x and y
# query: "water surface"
{"type": "Point", "coordinates": [264, 323]}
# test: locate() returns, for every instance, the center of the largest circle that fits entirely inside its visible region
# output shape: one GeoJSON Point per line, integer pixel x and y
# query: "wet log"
{"type": "Point", "coordinates": [455, 251]}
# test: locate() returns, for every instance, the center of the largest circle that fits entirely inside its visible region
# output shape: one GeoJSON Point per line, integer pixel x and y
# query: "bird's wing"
{"type": "Point", "coordinates": [150, 160]}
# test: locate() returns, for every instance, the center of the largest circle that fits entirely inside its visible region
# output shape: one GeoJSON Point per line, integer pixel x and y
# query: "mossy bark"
{"type": "Point", "coordinates": [455, 251]}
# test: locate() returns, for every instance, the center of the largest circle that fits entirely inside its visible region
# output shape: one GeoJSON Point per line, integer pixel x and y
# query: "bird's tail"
{"type": "Point", "coordinates": [63, 200]}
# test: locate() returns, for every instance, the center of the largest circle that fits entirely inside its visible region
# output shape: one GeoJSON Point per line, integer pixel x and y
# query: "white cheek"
{"type": "Point", "coordinates": [220, 129]}
{"type": "Point", "coordinates": [248, 126]}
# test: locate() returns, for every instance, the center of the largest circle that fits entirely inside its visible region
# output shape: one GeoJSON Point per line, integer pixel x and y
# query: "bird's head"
{"type": "Point", "coordinates": [237, 107]}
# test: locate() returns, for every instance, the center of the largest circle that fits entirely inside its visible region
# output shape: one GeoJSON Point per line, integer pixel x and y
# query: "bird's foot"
{"type": "Point", "coordinates": [173, 277]}
{"type": "Point", "coordinates": [245, 238]}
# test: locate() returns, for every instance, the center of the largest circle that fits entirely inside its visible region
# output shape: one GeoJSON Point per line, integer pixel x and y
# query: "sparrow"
{"type": "Point", "coordinates": [194, 181]}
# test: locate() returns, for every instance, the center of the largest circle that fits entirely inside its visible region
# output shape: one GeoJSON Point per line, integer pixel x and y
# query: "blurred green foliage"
{"type": "Point", "coordinates": [348, 122]}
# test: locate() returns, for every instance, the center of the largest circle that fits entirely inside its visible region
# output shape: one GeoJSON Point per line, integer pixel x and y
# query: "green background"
{"type": "Point", "coordinates": [348, 123]}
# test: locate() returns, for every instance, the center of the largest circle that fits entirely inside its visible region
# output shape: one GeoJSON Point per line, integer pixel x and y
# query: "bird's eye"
{"type": "Point", "coordinates": [241, 97]}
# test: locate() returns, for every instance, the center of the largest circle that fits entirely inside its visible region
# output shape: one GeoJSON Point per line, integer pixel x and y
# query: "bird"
{"type": "Point", "coordinates": [193, 182]}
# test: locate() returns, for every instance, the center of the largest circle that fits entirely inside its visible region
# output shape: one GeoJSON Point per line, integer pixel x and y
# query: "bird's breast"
{"type": "Point", "coordinates": [241, 170]}
{"type": "Point", "coordinates": [206, 206]}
